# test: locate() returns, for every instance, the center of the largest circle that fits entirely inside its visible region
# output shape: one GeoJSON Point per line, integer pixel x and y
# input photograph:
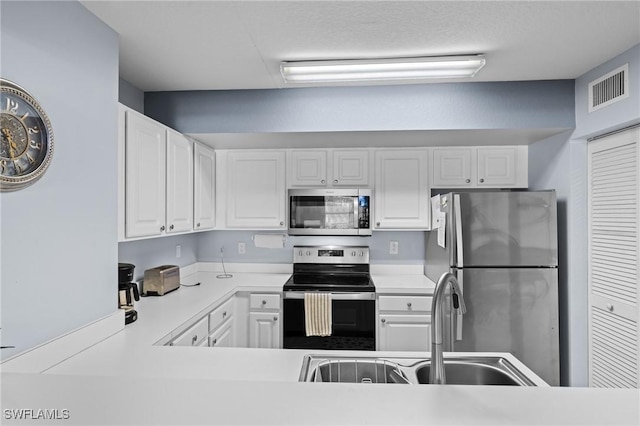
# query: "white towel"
{"type": "Point", "coordinates": [317, 314]}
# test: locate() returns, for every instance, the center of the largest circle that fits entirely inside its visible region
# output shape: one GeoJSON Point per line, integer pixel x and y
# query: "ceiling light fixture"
{"type": "Point", "coordinates": [381, 69]}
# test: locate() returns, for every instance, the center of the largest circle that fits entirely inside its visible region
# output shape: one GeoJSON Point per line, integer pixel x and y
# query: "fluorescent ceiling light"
{"type": "Point", "coordinates": [381, 69]}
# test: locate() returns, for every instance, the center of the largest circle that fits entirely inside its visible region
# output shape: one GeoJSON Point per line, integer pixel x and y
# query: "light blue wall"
{"type": "Point", "coordinates": [131, 96]}
{"type": "Point", "coordinates": [614, 116]}
{"type": "Point", "coordinates": [561, 163]}
{"type": "Point", "coordinates": [411, 247]}
{"type": "Point", "coordinates": [146, 254]}
{"type": "Point", "coordinates": [59, 247]}
{"type": "Point", "coordinates": [508, 105]}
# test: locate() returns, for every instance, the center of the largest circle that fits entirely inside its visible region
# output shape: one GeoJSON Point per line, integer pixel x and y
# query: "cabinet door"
{"type": "Point", "coordinates": [498, 166]}
{"type": "Point", "coordinates": [256, 190]}
{"type": "Point", "coordinates": [204, 188]}
{"type": "Point", "coordinates": [308, 168]}
{"type": "Point", "coordinates": [402, 189]}
{"type": "Point", "coordinates": [404, 333]}
{"type": "Point", "coordinates": [223, 336]}
{"type": "Point", "coordinates": [122, 137]}
{"type": "Point", "coordinates": [264, 330]}
{"type": "Point", "coordinates": [179, 183]}
{"type": "Point", "coordinates": [453, 167]}
{"type": "Point", "coordinates": [614, 260]}
{"type": "Point", "coordinates": [145, 165]}
{"type": "Point", "coordinates": [350, 168]}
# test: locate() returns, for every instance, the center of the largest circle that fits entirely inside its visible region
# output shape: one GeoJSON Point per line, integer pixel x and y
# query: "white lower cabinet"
{"type": "Point", "coordinates": [264, 321]}
{"type": "Point", "coordinates": [221, 325]}
{"type": "Point", "coordinates": [264, 330]}
{"type": "Point", "coordinates": [194, 335]}
{"type": "Point", "coordinates": [223, 336]}
{"type": "Point", "coordinates": [404, 323]}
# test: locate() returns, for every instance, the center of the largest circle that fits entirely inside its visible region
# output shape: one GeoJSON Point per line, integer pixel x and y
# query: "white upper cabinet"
{"type": "Point", "coordinates": [326, 168]}
{"type": "Point", "coordinates": [504, 167]}
{"type": "Point", "coordinates": [453, 167]}
{"type": "Point", "coordinates": [480, 167]}
{"type": "Point", "coordinates": [308, 168]}
{"type": "Point", "coordinates": [155, 178]}
{"type": "Point", "coordinates": [350, 168]}
{"type": "Point", "coordinates": [402, 193]}
{"type": "Point", "coordinates": [255, 187]}
{"type": "Point", "coordinates": [204, 188]}
{"type": "Point", "coordinates": [179, 183]}
{"type": "Point", "coordinates": [145, 171]}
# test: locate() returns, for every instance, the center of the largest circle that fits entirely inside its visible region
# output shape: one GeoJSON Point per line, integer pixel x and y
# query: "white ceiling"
{"type": "Point", "coordinates": [218, 45]}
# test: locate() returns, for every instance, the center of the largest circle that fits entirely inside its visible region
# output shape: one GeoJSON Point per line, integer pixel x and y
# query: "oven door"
{"type": "Point", "coordinates": [353, 322]}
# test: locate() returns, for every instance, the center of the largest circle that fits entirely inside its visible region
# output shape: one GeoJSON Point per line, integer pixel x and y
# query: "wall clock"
{"type": "Point", "coordinates": [26, 139]}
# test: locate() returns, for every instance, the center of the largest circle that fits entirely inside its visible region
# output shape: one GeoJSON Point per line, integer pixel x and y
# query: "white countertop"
{"type": "Point", "coordinates": [126, 380]}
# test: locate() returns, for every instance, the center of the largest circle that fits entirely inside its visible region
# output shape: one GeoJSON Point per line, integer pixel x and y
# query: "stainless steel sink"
{"type": "Point", "coordinates": [486, 371]}
{"type": "Point", "coordinates": [361, 370]}
{"type": "Point", "coordinates": [459, 370]}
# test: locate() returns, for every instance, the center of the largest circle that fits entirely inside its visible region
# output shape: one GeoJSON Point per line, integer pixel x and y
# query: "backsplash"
{"type": "Point", "coordinates": [410, 247]}
{"type": "Point", "coordinates": [205, 247]}
{"type": "Point", "coordinates": [146, 254]}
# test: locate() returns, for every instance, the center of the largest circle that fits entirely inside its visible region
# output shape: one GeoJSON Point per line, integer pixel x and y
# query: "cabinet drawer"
{"type": "Point", "coordinates": [193, 335]}
{"type": "Point", "coordinates": [264, 301]}
{"type": "Point", "coordinates": [221, 314]}
{"type": "Point", "coordinates": [405, 303]}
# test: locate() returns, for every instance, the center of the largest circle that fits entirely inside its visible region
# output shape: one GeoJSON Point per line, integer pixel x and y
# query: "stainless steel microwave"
{"type": "Point", "coordinates": [329, 212]}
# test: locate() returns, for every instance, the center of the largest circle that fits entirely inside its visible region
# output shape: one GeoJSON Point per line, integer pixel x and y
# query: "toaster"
{"type": "Point", "coordinates": [161, 280]}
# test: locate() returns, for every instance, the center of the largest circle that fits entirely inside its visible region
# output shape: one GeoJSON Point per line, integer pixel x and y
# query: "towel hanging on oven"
{"type": "Point", "coordinates": [317, 314]}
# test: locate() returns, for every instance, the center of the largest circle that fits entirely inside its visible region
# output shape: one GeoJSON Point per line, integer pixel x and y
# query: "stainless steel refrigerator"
{"type": "Point", "coordinates": [503, 248]}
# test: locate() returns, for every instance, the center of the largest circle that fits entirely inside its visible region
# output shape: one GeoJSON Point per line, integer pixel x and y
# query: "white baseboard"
{"type": "Point", "coordinates": [53, 352]}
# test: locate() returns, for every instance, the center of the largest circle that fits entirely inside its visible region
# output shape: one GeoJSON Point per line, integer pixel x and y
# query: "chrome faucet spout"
{"type": "Point", "coordinates": [437, 374]}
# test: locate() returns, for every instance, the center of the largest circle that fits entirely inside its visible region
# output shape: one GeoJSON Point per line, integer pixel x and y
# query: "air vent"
{"type": "Point", "coordinates": [609, 88]}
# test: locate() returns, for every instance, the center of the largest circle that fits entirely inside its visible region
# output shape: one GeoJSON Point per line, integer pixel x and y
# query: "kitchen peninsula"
{"type": "Point", "coordinates": [202, 385]}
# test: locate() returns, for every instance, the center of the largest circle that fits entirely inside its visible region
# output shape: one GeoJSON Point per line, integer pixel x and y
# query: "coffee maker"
{"type": "Point", "coordinates": [127, 292]}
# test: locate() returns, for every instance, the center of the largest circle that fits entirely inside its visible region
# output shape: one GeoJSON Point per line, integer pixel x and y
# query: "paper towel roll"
{"type": "Point", "coordinates": [269, 240]}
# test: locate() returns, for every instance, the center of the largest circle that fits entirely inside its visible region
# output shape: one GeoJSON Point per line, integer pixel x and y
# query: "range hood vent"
{"type": "Point", "coordinates": [609, 88]}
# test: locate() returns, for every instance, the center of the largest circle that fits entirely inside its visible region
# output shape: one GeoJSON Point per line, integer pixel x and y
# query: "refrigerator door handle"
{"type": "Point", "coordinates": [458, 317]}
{"type": "Point", "coordinates": [458, 230]}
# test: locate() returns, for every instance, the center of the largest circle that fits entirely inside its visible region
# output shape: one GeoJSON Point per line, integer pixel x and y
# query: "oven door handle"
{"type": "Point", "coordinates": [334, 296]}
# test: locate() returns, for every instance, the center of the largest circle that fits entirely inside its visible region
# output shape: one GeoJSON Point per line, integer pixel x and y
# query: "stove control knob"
{"type": "Point", "coordinates": [353, 253]}
{"type": "Point", "coordinates": [300, 253]}
{"type": "Point", "coordinates": [361, 253]}
{"type": "Point", "coordinates": [308, 253]}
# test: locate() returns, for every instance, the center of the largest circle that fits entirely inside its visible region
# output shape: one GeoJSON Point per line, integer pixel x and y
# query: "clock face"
{"type": "Point", "coordinates": [26, 139]}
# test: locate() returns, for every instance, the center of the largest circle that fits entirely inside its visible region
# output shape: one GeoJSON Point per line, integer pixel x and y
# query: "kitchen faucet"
{"type": "Point", "coordinates": [436, 374]}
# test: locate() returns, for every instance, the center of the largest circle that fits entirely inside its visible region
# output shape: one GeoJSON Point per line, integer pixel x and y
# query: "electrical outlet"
{"type": "Point", "coordinates": [178, 251]}
{"type": "Point", "coordinates": [242, 248]}
{"type": "Point", "coordinates": [393, 247]}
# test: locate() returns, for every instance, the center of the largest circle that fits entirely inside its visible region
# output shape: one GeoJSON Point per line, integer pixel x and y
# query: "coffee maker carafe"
{"type": "Point", "coordinates": [127, 292]}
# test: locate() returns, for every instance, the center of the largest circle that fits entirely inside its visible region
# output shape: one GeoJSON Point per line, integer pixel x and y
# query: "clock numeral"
{"type": "Point", "coordinates": [12, 106]}
{"type": "Point", "coordinates": [31, 160]}
{"type": "Point", "coordinates": [17, 167]}
{"type": "Point", "coordinates": [33, 130]}
{"type": "Point", "coordinates": [3, 164]}
{"type": "Point", "coordinates": [35, 144]}
{"type": "Point", "coordinates": [26, 114]}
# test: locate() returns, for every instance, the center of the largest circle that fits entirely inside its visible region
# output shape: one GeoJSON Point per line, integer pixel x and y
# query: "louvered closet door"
{"type": "Point", "coordinates": [613, 261]}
